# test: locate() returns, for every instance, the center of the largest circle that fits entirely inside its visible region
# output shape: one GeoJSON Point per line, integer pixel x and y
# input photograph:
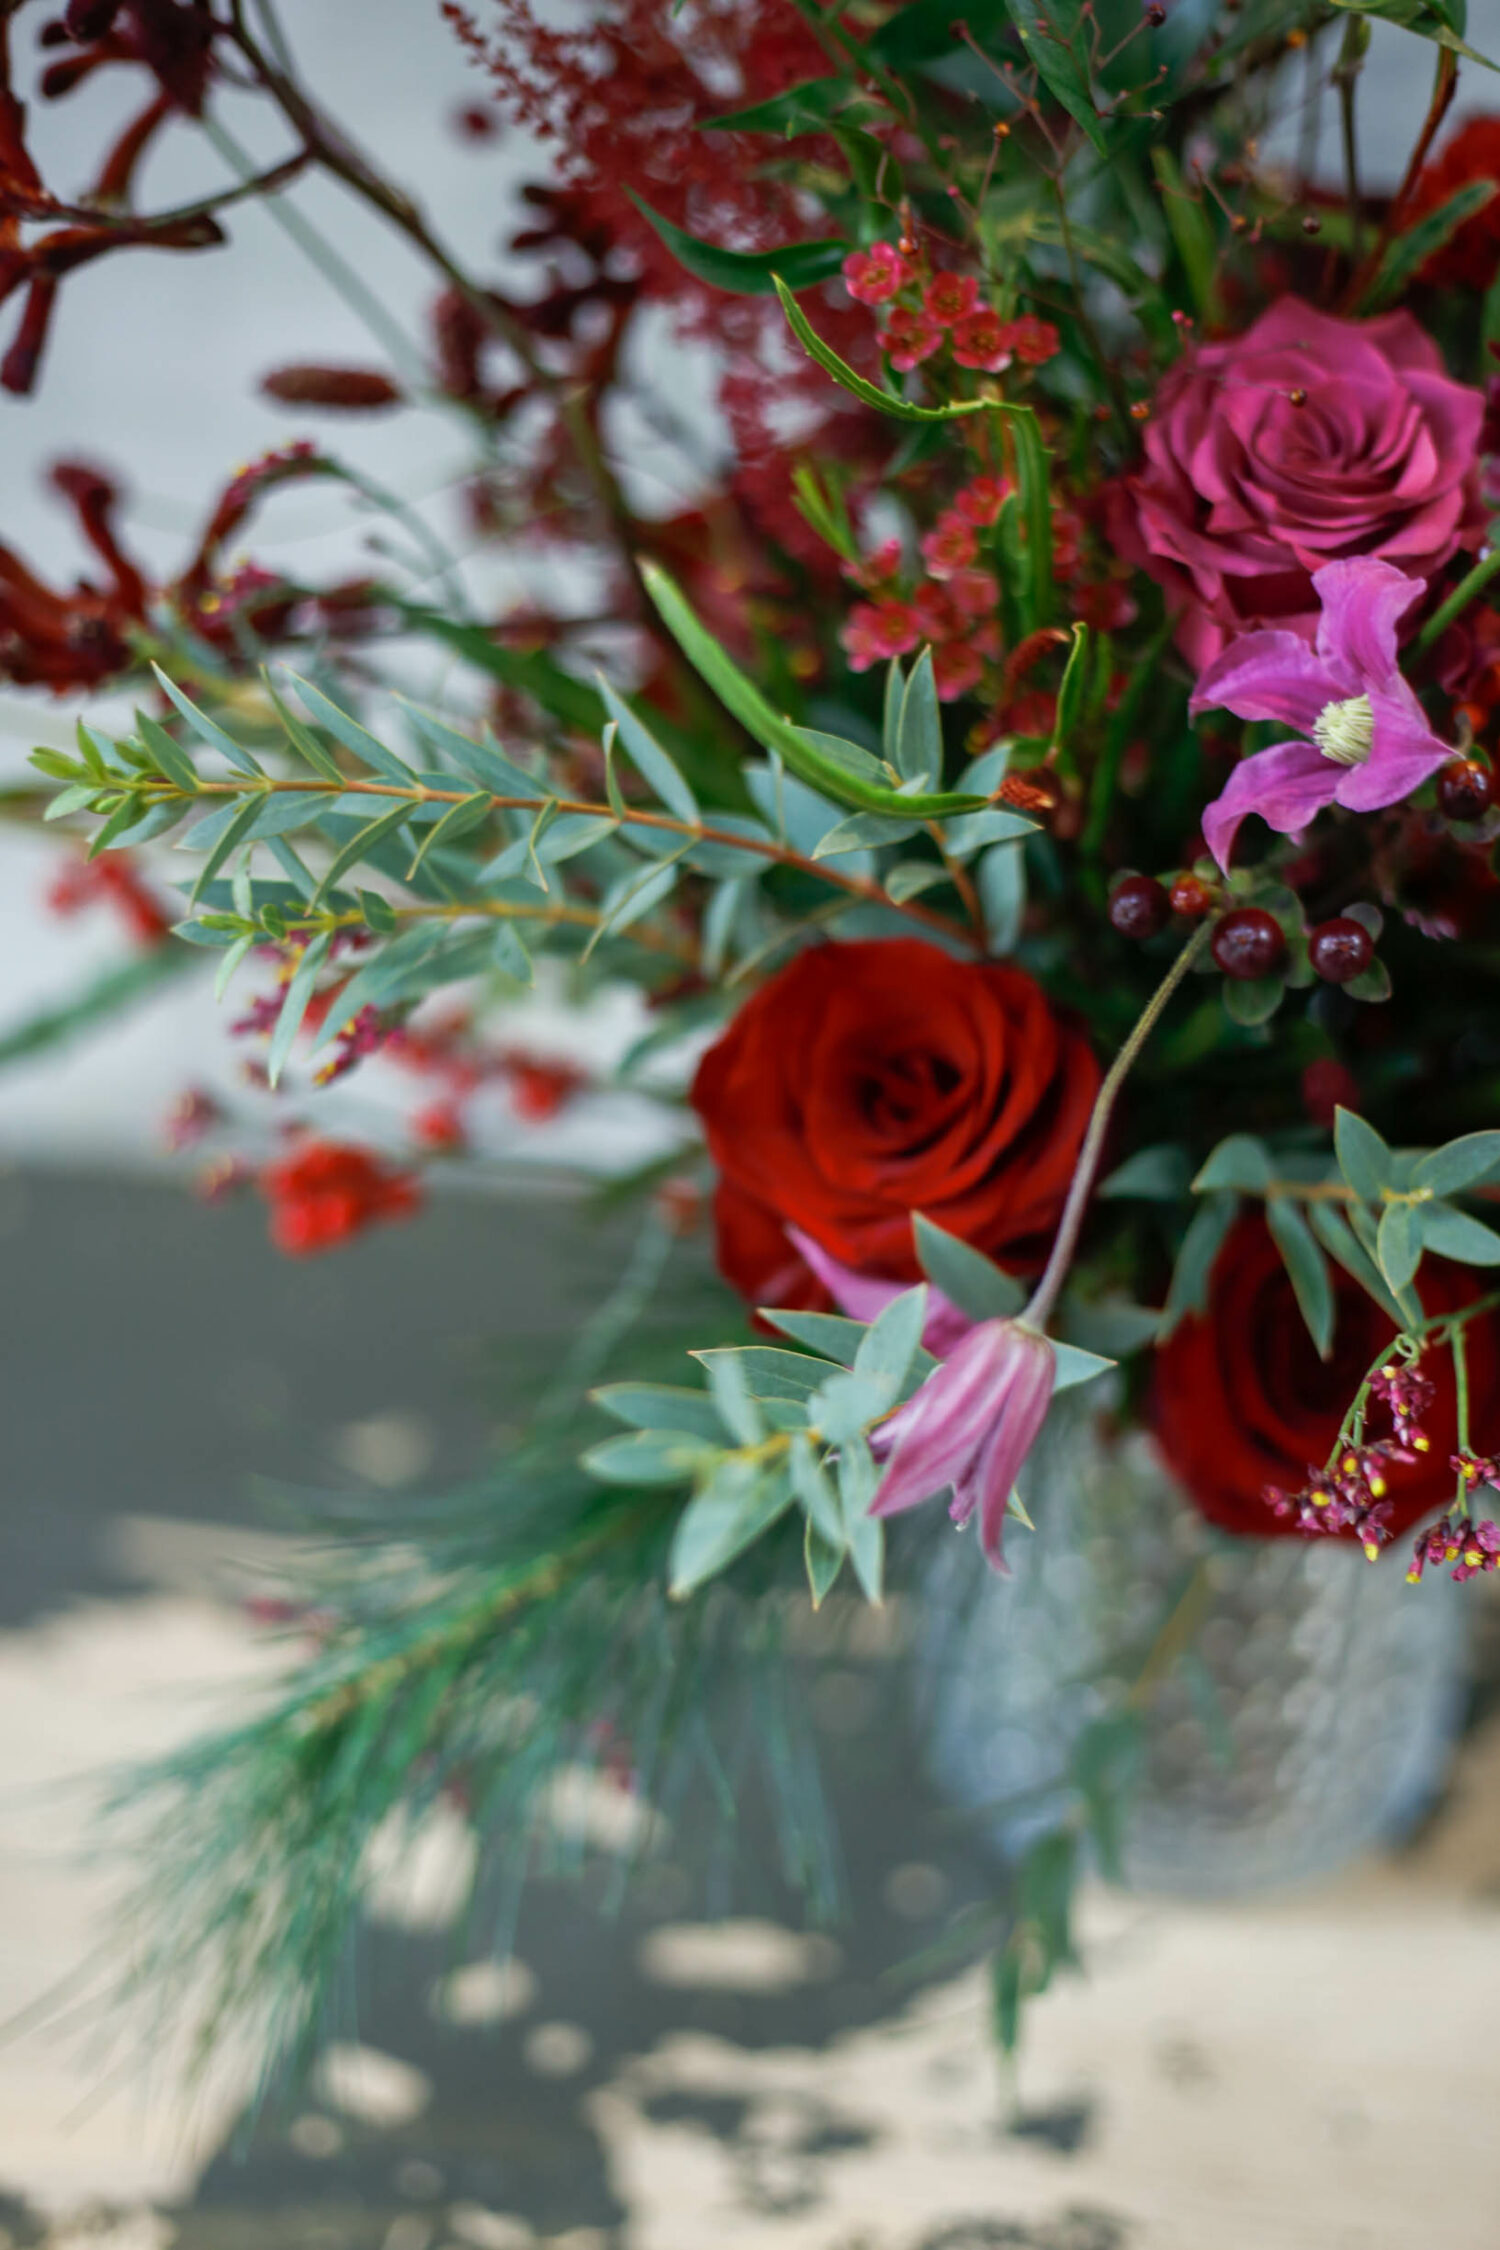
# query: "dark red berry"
{"type": "Point", "coordinates": [1191, 896]}
{"type": "Point", "coordinates": [1249, 943]}
{"type": "Point", "coordinates": [1465, 789]}
{"type": "Point", "coordinates": [1139, 907]}
{"type": "Point", "coordinates": [1341, 949]}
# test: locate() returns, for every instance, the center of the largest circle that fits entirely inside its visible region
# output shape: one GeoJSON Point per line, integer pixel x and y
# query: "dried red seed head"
{"type": "Point", "coordinates": [1139, 908]}
{"type": "Point", "coordinates": [1341, 949]}
{"type": "Point", "coordinates": [1465, 789]}
{"type": "Point", "coordinates": [1249, 943]}
{"type": "Point", "coordinates": [352, 390]}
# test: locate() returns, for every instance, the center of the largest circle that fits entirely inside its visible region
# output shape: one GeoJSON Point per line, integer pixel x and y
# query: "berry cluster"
{"type": "Point", "coordinates": [1456, 1538]}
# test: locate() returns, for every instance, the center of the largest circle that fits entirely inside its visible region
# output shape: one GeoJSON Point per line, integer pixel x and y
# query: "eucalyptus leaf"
{"type": "Point", "coordinates": [967, 1278]}
{"type": "Point", "coordinates": [1307, 1268]}
{"type": "Point", "coordinates": [1453, 1234]}
{"type": "Point", "coordinates": [1364, 1159]}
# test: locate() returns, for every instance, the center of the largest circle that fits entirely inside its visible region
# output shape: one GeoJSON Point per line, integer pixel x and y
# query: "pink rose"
{"type": "Point", "coordinates": [1306, 440]}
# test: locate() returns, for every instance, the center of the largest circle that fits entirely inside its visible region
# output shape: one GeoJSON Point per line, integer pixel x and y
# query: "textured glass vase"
{"type": "Point", "coordinates": [1302, 1702]}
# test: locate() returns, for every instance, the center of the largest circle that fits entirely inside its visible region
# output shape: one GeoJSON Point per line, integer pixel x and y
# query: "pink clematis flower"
{"type": "Point", "coordinates": [976, 1417]}
{"type": "Point", "coordinates": [1364, 739]}
{"type": "Point", "coordinates": [971, 1426]}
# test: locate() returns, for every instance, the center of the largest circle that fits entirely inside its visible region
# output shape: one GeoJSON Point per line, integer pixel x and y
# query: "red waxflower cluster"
{"type": "Point", "coordinates": [946, 312]}
{"type": "Point", "coordinates": [326, 1191]}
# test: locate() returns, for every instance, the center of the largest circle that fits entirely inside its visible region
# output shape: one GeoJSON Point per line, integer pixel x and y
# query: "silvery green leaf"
{"type": "Point", "coordinates": [651, 762]}
{"type": "Point", "coordinates": [733, 1510]}
{"type": "Point", "coordinates": [1333, 1231]}
{"type": "Point", "coordinates": [1307, 1267]}
{"type": "Point", "coordinates": [1240, 1162]}
{"type": "Point", "coordinates": [509, 954]}
{"type": "Point", "coordinates": [663, 1406]}
{"type": "Point", "coordinates": [1398, 1245]}
{"type": "Point", "coordinates": [889, 1343]}
{"type": "Point", "coordinates": [846, 1404]}
{"type": "Point", "coordinates": [204, 727]}
{"type": "Point", "coordinates": [572, 833]}
{"type": "Point", "coordinates": [852, 758]}
{"type": "Point", "coordinates": [720, 922]}
{"type": "Point", "coordinates": [1459, 1164]}
{"type": "Point", "coordinates": [968, 832]}
{"type": "Point", "coordinates": [360, 846]}
{"type": "Point", "coordinates": [984, 774]}
{"type": "Point", "coordinates": [919, 728]}
{"type": "Point", "coordinates": [634, 895]}
{"type": "Point", "coordinates": [170, 757]}
{"type": "Point", "coordinates": [862, 832]}
{"type": "Point", "coordinates": [1453, 1234]}
{"type": "Point", "coordinates": [1195, 1260]}
{"type": "Point", "coordinates": [1000, 878]}
{"type": "Point", "coordinates": [484, 762]}
{"type": "Point", "coordinates": [231, 961]}
{"type": "Point", "coordinates": [965, 1275]}
{"type": "Point", "coordinates": [790, 809]}
{"type": "Point", "coordinates": [234, 832]}
{"type": "Point", "coordinates": [811, 1484]}
{"type": "Point", "coordinates": [891, 702]}
{"type": "Point", "coordinates": [859, 1479]}
{"type": "Point", "coordinates": [1077, 1366]}
{"type": "Point", "coordinates": [1160, 1174]}
{"type": "Point", "coordinates": [715, 858]}
{"type": "Point", "coordinates": [349, 731]}
{"type": "Point", "coordinates": [823, 1561]}
{"type": "Point", "coordinates": [457, 820]}
{"type": "Point", "coordinates": [838, 1339]}
{"type": "Point", "coordinates": [294, 1007]}
{"type": "Point", "coordinates": [1110, 1324]}
{"type": "Point", "coordinates": [731, 1393]}
{"type": "Point", "coordinates": [1364, 1159]}
{"type": "Point", "coordinates": [648, 1457]}
{"type": "Point", "coordinates": [908, 879]}
{"type": "Point", "coordinates": [770, 1373]}
{"type": "Point", "coordinates": [83, 793]}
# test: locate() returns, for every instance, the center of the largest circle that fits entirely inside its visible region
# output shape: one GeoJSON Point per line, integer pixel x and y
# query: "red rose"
{"type": "Point", "coordinates": [1241, 1399]}
{"type": "Point", "coordinates": [865, 1082]}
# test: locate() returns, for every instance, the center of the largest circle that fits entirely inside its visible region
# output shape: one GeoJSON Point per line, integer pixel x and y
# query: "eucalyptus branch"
{"type": "Point", "coordinates": [497, 910]}
{"type": "Point", "coordinates": [154, 792]}
{"type": "Point", "coordinates": [1055, 1272]}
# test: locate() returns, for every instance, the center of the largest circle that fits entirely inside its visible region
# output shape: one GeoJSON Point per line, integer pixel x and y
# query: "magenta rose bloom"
{"type": "Point", "coordinates": [1302, 442]}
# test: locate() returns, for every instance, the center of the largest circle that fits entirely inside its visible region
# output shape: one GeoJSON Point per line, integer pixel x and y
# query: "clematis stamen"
{"type": "Point", "coordinates": [1345, 731]}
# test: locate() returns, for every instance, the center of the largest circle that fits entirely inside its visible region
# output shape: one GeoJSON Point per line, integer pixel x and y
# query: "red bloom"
{"type": "Point", "coordinates": [539, 1086]}
{"type": "Point", "coordinates": [867, 1081]}
{"type": "Point", "coordinates": [111, 878]}
{"type": "Point", "coordinates": [1033, 341]}
{"type": "Point", "coordinates": [983, 341]}
{"type": "Point", "coordinates": [877, 631]}
{"type": "Point", "coordinates": [910, 337]}
{"type": "Point", "coordinates": [1241, 1399]}
{"type": "Point", "coordinates": [1470, 259]}
{"type": "Point", "coordinates": [324, 1192]}
{"type": "Point", "coordinates": [950, 545]}
{"type": "Point", "coordinates": [951, 297]}
{"type": "Point", "coordinates": [873, 277]}
{"type": "Point", "coordinates": [72, 640]}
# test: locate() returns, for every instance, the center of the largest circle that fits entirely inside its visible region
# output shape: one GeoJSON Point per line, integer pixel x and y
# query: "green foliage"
{"type": "Point", "coordinates": [753, 273]}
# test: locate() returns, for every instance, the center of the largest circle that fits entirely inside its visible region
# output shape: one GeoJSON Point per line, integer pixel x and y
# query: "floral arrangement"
{"type": "Point", "coordinates": [1041, 782]}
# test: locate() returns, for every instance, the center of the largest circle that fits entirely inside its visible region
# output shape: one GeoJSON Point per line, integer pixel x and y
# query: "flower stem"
{"type": "Point", "coordinates": [1458, 601]}
{"type": "Point", "coordinates": [1055, 1272]}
